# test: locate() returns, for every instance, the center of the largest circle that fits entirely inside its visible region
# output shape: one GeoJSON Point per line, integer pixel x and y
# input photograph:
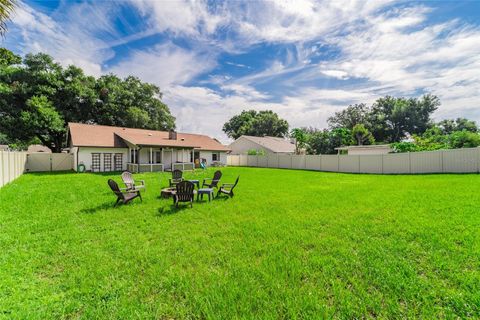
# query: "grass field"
{"type": "Point", "coordinates": [290, 244]}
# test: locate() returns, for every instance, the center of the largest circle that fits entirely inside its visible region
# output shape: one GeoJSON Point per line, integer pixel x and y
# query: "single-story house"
{"type": "Point", "coordinates": [371, 149]}
{"type": "Point", "coordinates": [262, 144]}
{"type": "Point", "coordinates": [105, 148]}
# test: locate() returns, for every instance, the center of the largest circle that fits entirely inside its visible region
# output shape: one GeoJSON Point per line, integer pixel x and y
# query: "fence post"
{"type": "Point", "coordinates": [441, 155]}
{"type": "Point", "coordinates": [383, 157]}
{"type": "Point", "coordinates": [409, 162]}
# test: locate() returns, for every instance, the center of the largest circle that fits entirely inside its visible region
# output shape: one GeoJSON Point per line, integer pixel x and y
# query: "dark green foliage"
{"type": "Point", "coordinates": [259, 124]}
{"type": "Point", "coordinates": [325, 141]}
{"type": "Point", "coordinates": [460, 124]}
{"type": "Point", "coordinates": [361, 135]}
{"type": "Point", "coordinates": [39, 97]}
{"type": "Point", "coordinates": [389, 119]}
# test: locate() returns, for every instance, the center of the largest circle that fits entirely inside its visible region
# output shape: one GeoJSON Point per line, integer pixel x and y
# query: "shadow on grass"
{"type": "Point", "coordinates": [173, 209]}
{"type": "Point", "coordinates": [103, 206]}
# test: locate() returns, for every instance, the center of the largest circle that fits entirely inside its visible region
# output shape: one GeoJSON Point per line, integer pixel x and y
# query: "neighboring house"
{"type": "Point", "coordinates": [4, 147]}
{"type": "Point", "coordinates": [267, 144]}
{"type": "Point", "coordinates": [371, 149]}
{"type": "Point", "coordinates": [105, 148]}
{"type": "Point", "coordinates": [38, 148]}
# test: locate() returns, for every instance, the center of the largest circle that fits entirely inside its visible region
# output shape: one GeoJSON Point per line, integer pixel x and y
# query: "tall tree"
{"type": "Point", "coordinates": [362, 135]}
{"type": "Point", "coordinates": [350, 116]}
{"type": "Point", "coordinates": [38, 98]}
{"type": "Point", "coordinates": [301, 137]}
{"type": "Point", "coordinates": [460, 124]}
{"type": "Point", "coordinates": [253, 123]}
{"type": "Point", "coordinates": [6, 9]}
{"type": "Point", "coordinates": [393, 118]}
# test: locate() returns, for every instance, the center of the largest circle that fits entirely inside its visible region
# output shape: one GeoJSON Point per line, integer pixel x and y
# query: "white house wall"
{"type": "Point", "coordinates": [84, 155]}
{"type": "Point", "coordinates": [207, 155]}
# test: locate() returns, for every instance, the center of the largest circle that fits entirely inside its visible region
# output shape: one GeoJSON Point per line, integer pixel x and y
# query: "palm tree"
{"type": "Point", "coordinates": [6, 8]}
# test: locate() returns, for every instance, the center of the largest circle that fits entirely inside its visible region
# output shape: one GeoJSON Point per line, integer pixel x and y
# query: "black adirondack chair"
{"type": "Point", "coordinates": [227, 188]}
{"type": "Point", "coordinates": [184, 193]}
{"type": "Point", "coordinates": [124, 196]}
{"type": "Point", "coordinates": [176, 177]}
{"type": "Point", "coordinates": [212, 182]}
{"type": "Point", "coordinates": [130, 183]}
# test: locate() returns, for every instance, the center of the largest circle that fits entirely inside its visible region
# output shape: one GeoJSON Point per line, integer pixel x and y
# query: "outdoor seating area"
{"type": "Point", "coordinates": [179, 188]}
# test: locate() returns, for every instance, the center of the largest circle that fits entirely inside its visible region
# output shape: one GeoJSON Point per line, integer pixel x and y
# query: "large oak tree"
{"type": "Point", "coordinates": [38, 97]}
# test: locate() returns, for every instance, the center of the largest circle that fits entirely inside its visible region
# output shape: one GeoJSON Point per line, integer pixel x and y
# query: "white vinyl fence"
{"type": "Point", "coordinates": [442, 161]}
{"type": "Point", "coordinates": [12, 165]}
{"type": "Point", "coordinates": [41, 162]}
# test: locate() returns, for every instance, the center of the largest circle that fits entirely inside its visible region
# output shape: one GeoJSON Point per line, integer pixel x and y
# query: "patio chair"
{"type": "Point", "coordinates": [212, 182]}
{"type": "Point", "coordinates": [123, 195]}
{"type": "Point", "coordinates": [176, 177]}
{"type": "Point", "coordinates": [184, 193]}
{"type": "Point", "coordinates": [130, 183]}
{"type": "Point", "coordinates": [227, 188]}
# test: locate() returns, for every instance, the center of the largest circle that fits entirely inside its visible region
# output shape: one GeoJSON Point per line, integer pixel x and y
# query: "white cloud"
{"type": "Point", "coordinates": [164, 65]}
{"type": "Point", "coordinates": [69, 41]}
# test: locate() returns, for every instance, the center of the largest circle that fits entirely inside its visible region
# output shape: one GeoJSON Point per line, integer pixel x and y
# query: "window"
{"type": "Point", "coordinates": [215, 156]}
{"type": "Point", "coordinates": [95, 162]}
{"type": "Point", "coordinates": [107, 162]}
{"type": "Point", "coordinates": [118, 161]}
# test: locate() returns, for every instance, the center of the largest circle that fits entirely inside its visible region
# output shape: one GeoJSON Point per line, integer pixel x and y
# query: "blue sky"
{"type": "Point", "coordinates": [302, 59]}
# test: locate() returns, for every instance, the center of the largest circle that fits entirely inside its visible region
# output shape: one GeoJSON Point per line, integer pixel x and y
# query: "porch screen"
{"type": "Point", "coordinates": [118, 161]}
{"type": "Point", "coordinates": [95, 162]}
{"type": "Point", "coordinates": [107, 162]}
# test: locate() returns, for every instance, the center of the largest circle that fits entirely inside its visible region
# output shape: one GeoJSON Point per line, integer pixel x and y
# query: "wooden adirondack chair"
{"type": "Point", "coordinates": [176, 177]}
{"type": "Point", "coordinates": [227, 188]}
{"type": "Point", "coordinates": [130, 183]}
{"type": "Point", "coordinates": [184, 193]}
{"type": "Point", "coordinates": [124, 196]}
{"type": "Point", "coordinates": [212, 182]}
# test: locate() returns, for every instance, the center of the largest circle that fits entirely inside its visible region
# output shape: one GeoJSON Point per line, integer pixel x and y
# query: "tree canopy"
{"type": "Point", "coordinates": [38, 97]}
{"type": "Point", "coordinates": [253, 123]}
{"type": "Point", "coordinates": [389, 119]}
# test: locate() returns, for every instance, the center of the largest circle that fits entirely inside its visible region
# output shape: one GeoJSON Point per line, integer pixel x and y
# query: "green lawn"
{"type": "Point", "coordinates": [290, 244]}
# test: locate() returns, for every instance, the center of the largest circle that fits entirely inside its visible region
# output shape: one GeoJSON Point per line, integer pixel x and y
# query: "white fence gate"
{"type": "Point", "coordinates": [41, 162]}
{"type": "Point", "coordinates": [441, 161]}
{"type": "Point", "coordinates": [12, 165]}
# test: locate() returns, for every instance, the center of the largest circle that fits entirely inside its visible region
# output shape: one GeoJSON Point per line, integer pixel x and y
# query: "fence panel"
{"type": "Point", "coordinates": [285, 161]}
{"type": "Point", "coordinates": [12, 165]}
{"type": "Point", "coordinates": [426, 162]}
{"type": "Point", "coordinates": [298, 162]}
{"type": "Point", "coordinates": [243, 160]}
{"type": "Point", "coordinates": [252, 161]}
{"type": "Point", "coordinates": [396, 163]}
{"type": "Point", "coordinates": [329, 163]}
{"type": "Point", "coordinates": [313, 162]}
{"type": "Point", "coordinates": [349, 164]}
{"type": "Point", "coordinates": [262, 161]}
{"type": "Point", "coordinates": [62, 161]}
{"type": "Point", "coordinates": [464, 160]}
{"type": "Point", "coordinates": [371, 163]}
{"type": "Point", "coordinates": [39, 162]}
{"type": "Point", "coordinates": [272, 160]}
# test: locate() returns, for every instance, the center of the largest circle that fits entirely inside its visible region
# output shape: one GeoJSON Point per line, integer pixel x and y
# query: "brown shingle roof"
{"type": "Point", "coordinates": [88, 135]}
